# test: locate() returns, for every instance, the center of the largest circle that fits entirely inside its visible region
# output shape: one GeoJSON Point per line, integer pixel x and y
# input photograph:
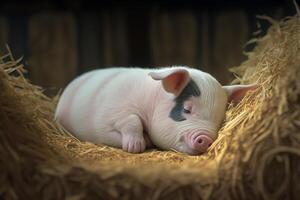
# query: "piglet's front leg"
{"type": "Point", "coordinates": [131, 130]}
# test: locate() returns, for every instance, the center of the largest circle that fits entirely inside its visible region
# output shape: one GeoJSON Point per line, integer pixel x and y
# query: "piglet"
{"type": "Point", "coordinates": [174, 108]}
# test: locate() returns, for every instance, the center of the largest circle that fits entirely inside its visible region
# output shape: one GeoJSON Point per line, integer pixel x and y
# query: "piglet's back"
{"type": "Point", "coordinates": [88, 102]}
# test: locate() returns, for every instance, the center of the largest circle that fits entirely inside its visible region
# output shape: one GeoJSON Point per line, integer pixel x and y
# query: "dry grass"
{"type": "Point", "coordinates": [256, 155]}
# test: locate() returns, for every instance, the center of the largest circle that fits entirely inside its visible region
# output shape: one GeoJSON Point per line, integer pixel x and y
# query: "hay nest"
{"type": "Point", "coordinates": [257, 154]}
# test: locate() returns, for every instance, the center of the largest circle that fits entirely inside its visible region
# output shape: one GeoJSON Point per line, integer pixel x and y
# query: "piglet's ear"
{"type": "Point", "coordinates": [173, 80]}
{"type": "Point", "coordinates": [237, 92]}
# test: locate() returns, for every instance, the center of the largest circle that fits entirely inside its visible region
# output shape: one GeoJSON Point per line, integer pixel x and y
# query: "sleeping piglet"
{"type": "Point", "coordinates": [174, 108]}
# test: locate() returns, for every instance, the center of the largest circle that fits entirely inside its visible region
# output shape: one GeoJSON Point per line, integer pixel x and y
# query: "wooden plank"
{"type": "Point", "coordinates": [53, 49]}
{"type": "Point", "coordinates": [120, 34]}
{"type": "Point", "coordinates": [205, 46]}
{"type": "Point", "coordinates": [173, 38]}
{"type": "Point", "coordinates": [103, 39]}
{"type": "Point", "coordinates": [89, 41]}
{"type": "Point", "coordinates": [161, 39]}
{"type": "Point", "coordinates": [3, 35]}
{"type": "Point", "coordinates": [231, 33]}
{"type": "Point", "coordinates": [17, 38]}
{"type": "Point", "coordinates": [107, 40]}
{"type": "Point", "coordinates": [138, 36]}
{"type": "Point", "coordinates": [187, 38]}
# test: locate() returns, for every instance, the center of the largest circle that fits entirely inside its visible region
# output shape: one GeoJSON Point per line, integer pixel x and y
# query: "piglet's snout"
{"type": "Point", "coordinates": [200, 142]}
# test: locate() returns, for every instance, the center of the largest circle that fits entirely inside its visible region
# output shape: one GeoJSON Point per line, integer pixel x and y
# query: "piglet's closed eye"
{"type": "Point", "coordinates": [237, 92]}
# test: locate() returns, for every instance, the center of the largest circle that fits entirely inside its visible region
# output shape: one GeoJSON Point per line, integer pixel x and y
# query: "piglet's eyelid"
{"type": "Point", "coordinates": [188, 106]}
{"type": "Point", "coordinates": [186, 111]}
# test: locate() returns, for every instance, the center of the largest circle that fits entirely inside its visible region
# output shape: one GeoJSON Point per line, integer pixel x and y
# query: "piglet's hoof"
{"type": "Point", "coordinates": [133, 145]}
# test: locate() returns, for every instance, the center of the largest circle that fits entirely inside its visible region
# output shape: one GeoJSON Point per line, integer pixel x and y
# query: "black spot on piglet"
{"type": "Point", "coordinates": [191, 89]}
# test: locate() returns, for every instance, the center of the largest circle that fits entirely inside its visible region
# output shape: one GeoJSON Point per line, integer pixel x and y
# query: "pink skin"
{"type": "Point", "coordinates": [198, 142]}
{"type": "Point", "coordinates": [66, 103]}
{"type": "Point", "coordinates": [205, 116]}
{"type": "Point", "coordinates": [93, 104]}
{"type": "Point", "coordinates": [129, 108]}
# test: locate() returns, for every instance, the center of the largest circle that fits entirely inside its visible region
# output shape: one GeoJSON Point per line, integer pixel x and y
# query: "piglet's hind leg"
{"type": "Point", "coordinates": [131, 129]}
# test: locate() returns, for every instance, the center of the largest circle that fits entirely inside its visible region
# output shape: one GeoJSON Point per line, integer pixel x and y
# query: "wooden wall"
{"type": "Point", "coordinates": [58, 45]}
{"type": "Point", "coordinates": [3, 34]}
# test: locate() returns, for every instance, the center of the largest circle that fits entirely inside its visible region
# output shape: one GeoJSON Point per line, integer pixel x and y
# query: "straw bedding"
{"type": "Point", "coordinates": [257, 154]}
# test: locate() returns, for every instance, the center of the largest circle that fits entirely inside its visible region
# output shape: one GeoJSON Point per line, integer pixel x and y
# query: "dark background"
{"type": "Point", "coordinates": [61, 39]}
